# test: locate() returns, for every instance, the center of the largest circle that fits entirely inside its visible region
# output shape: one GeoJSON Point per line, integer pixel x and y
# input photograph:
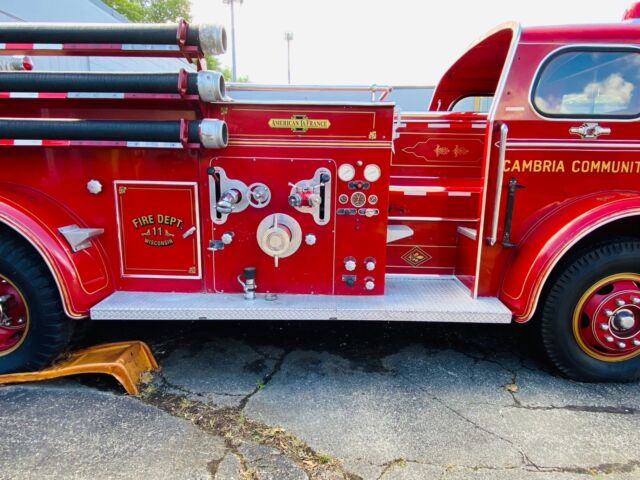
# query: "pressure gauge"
{"type": "Point", "coordinates": [372, 172]}
{"type": "Point", "coordinates": [346, 172]}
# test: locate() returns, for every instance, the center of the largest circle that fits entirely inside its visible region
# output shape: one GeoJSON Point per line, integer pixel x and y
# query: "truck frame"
{"type": "Point", "coordinates": [159, 197]}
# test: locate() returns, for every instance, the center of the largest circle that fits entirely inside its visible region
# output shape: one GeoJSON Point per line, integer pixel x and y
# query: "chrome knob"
{"type": "Point", "coordinates": [370, 265]}
{"type": "Point", "coordinates": [369, 285]}
{"type": "Point", "coordinates": [227, 238]}
{"type": "Point", "coordinates": [350, 265]}
{"type": "Point", "coordinates": [310, 239]}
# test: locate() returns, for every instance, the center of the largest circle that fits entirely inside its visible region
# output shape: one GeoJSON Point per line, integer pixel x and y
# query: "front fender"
{"type": "Point", "coordinates": [83, 278]}
{"type": "Point", "coordinates": [551, 237]}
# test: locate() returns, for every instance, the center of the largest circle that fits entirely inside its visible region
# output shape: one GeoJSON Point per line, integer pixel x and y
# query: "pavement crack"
{"type": "Point", "coordinates": [233, 426]}
{"type": "Point", "coordinates": [265, 380]}
{"type": "Point", "coordinates": [613, 410]}
{"type": "Point", "coordinates": [526, 461]}
{"type": "Point", "coordinates": [602, 469]}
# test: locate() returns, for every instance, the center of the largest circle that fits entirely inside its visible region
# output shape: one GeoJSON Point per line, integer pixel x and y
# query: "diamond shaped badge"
{"type": "Point", "coordinates": [416, 257]}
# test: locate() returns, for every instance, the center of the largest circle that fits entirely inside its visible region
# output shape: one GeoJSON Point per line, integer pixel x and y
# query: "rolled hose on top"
{"type": "Point", "coordinates": [209, 85]}
{"type": "Point", "coordinates": [211, 39]}
{"type": "Point", "coordinates": [210, 133]}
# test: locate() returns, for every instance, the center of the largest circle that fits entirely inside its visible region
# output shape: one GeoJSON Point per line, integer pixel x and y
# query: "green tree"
{"type": "Point", "coordinates": [161, 11]}
{"type": "Point", "coordinates": [156, 11]}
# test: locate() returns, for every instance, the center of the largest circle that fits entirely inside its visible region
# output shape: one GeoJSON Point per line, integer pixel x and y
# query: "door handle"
{"type": "Point", "coordinates": [590, 130]}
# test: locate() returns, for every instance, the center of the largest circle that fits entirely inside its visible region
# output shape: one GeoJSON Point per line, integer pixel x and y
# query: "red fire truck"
{"type": "Point", "coordinates": [156, 196]}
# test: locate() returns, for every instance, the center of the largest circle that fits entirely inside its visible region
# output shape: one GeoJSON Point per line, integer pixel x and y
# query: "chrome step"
{"type": "Point", "coordinates": [406, 299]}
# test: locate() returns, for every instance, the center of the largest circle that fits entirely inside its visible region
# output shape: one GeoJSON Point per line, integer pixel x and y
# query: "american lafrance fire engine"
{"type": "Point", "coordinates": [157, 196]}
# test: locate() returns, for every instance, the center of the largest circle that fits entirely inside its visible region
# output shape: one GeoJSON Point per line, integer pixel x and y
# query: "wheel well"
{"type": "Point", "coordinates": [624, 228]}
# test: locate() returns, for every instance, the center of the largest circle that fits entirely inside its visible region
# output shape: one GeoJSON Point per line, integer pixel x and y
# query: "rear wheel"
{"type": "Point", "coordinates": [591, 316]}
{"type": "Point", "coordinates": [33, 327]}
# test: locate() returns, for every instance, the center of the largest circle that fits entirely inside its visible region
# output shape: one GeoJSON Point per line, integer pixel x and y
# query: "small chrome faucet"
{"type": "Point", "coordinates": [249, 285]}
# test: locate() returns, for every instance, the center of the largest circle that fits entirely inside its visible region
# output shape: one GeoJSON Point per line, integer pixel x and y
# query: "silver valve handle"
{"type": "Point", "coordinates": [228, 200]}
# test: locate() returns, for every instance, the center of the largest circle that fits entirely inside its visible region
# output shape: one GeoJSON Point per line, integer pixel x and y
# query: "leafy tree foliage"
{"type": "Point", "coordinates": [155, 11]}
{"type": "Point", "coordinates": [161, 11]}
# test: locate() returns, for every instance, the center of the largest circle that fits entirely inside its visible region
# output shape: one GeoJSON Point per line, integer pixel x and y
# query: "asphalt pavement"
{"type": "Point", "coordinates": [254, 400]}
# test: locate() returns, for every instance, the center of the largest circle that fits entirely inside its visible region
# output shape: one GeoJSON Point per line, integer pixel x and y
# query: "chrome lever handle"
{"type": "Point", "coordinates": [590, 130]}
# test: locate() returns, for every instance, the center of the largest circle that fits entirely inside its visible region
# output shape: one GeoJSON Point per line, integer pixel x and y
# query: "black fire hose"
{"type": "Point", "coordinates": [209, 38]}
{"type": "Point", "coordinates": [209, 85]}
{"type": "Point", "coordinates": [211, 133]}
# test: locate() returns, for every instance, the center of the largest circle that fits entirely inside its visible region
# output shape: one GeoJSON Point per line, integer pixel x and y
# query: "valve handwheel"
{"type": "Point", "coordinates": [258, 195]}
{"type": "Point", "coordinates": [591, 316]}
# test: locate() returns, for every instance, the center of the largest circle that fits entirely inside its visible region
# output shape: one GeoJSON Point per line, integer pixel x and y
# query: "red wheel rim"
{"type": "Point", "coordinates": [14, 317]}
{"type": "Point", "coordinates": [606, 321]}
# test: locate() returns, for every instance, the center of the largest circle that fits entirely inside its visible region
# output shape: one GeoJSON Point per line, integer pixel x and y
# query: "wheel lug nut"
{"type": "Point", "coordinates": [622, 345]}
{"type": "Point", "coordinates": [604, 326]}
{"type": "Point", "coordinates": [635, 300]}
{"type": "Point", "coordinates": [608, 313]}
{"type": "Point", "coordinates": [609, 338]}
{"type": "Point", "coordinates": [20, 321]}
{"type": "Point", "coordinates": [636, 342]}
{"type": "Point", "coordinates": [620, 302]}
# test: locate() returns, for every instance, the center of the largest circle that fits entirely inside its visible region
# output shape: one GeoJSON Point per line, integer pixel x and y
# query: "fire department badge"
{"type": "Point", "coordinates": [416, 257]}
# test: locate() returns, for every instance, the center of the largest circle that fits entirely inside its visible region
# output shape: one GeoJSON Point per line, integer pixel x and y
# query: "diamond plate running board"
{"type": "Point", "coordinates": [417, 300]}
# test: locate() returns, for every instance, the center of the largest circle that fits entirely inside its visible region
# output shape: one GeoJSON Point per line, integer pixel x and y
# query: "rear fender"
{"type": "Point", "coordinates": [83, 278]}
{"type": "Point", "coordinates": [551, 237]}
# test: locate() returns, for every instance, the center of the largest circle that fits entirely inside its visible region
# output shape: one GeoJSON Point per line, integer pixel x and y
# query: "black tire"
{"type": "Point", "coordinates": [49, 329]}
{"type": "Point", "coordinates": [556, 321]}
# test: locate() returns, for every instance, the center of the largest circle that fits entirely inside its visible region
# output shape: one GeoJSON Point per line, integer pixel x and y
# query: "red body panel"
{"type": "Point", "coordinates": [84, 278]}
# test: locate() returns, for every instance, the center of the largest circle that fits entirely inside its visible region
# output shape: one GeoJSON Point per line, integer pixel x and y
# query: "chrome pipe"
{"type": "Point", "coordinates": [502, 152]}
{"type": "Point", "coordinates": [214, 133]}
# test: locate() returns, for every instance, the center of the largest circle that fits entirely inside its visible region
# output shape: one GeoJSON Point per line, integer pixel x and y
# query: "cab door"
{"type": "Point", "coordinates": [572, 130]}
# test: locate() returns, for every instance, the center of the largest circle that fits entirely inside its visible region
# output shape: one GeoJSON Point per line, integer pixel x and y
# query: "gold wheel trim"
{"type": "Point", "coordinates": [27, 318]}
{"type": "Point", "coordinates": [578, 311]}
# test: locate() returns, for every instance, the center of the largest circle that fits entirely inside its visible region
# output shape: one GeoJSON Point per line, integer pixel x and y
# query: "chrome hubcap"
{"type": "Point", "coordinates": [623, 321]}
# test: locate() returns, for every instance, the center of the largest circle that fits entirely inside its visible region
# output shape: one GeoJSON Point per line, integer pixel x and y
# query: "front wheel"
{"type": "Point", "coordinates": [591, 315]}
{"type": "Point", "coordinates": [33, 327]}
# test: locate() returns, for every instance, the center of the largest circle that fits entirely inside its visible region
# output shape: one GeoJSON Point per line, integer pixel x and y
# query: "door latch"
{"type": "Point", "coordinates": [590, 130]}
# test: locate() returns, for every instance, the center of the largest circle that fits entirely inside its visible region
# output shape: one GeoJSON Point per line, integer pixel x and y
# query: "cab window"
{"type": "Point", "coordinates": [477, 104]}
{"type": "Point", "coordinates": [589, 83]}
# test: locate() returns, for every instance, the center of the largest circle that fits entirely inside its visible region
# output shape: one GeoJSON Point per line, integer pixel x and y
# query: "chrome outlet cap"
{"type": "Point", "coordinates": [211, 86]}
{"type": "Point", "coordinates": [214, 133]}
{"type": "Point", "coordinates": [213, 39]}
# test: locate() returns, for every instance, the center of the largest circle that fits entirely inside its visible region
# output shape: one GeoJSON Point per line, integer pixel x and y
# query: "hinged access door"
{"type": "Point", "coordinates": [158, 229]}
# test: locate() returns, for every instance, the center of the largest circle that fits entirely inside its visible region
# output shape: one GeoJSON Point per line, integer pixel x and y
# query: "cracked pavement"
{"type": "Point", "coordinates": [259, 400]}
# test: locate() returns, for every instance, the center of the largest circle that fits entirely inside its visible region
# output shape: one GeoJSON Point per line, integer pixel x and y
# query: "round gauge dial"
{"type": "Point", "coordinates": [358, 199]}
{"type": "Point", "coordinates": [372, 172]}
{"type": "Point", "coordinates": [346, 172]}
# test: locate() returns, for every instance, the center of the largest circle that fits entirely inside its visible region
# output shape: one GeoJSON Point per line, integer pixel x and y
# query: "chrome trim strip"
{"type": "Point", "coordinates": [470, 233]}
{"type": "Point", "coordinates": [408, 276]}
{"type": "Point", "coordinates": [504, 133]}
{"type": "Point", "coordinates": [304, 103]}
{"type": "Point", "coordinates": [431, 219]}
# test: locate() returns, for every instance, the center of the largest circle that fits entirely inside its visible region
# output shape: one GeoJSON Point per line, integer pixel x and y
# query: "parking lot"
{"type": "Point", "coordinates": [324, 400]}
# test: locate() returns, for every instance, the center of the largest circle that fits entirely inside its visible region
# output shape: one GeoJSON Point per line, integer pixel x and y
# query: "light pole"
{"type": "Point", "coordinates": [233, 37]}
{"type": "Point", "coordinates": [288, 36]}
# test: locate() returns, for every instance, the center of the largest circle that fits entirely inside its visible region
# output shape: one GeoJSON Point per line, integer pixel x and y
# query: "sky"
{"type": "Point", "coordinates": [364, 42]}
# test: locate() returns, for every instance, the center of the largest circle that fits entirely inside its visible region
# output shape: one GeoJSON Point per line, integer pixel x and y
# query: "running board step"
{"type": "Point", "coordinates": [406, 299]}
